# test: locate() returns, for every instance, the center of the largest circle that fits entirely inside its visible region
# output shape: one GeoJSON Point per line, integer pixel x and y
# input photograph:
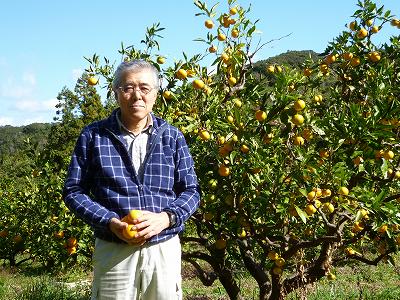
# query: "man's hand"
{"type": "Point", "coordinates": [150, 224]}
{"type": "Point", "coordinates": [117, 227]}
{"type": "Point", "coordinates": [147, 225]}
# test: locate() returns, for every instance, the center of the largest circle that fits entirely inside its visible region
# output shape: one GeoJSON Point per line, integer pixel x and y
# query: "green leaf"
{"type": "Point", "coordinates": [302, 214]}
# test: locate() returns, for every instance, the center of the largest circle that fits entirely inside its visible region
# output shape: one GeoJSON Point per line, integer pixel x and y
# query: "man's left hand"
{"type": "Point", "coordinates": [150, 224]}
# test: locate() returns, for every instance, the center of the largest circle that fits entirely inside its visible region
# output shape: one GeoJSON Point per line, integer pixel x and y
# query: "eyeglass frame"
{"type": "Point", "coordinates": [138, 88]}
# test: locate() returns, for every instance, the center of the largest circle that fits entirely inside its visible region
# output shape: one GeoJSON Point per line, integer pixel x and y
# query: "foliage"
{"type": "Point", "coordinates": [14, 141]}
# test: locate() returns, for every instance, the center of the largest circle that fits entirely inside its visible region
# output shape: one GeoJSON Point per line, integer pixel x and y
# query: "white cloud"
{"type": "Point", "coordinates": [18, 88]}
{"type": "Point", "coordinates": [29, 78]}
{"type": "Point", "coordinates": [36, 106]}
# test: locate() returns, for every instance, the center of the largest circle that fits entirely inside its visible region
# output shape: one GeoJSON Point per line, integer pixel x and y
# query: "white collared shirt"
{"type": "Point", "coordinates": [137, 144]}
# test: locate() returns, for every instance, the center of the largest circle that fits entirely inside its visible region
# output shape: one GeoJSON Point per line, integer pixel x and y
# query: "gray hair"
{"type": "Point", "coordinates": [134, 65]}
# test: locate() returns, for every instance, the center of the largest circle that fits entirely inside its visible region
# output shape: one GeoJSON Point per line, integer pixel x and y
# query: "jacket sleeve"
{"type": "Point", "coordinates": [77, 186]}
{"type": "Point", "coordinates": [186, 185]}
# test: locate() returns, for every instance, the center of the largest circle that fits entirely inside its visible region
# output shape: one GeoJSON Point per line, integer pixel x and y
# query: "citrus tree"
{"type": "Point", "coordinates": [35, 224]}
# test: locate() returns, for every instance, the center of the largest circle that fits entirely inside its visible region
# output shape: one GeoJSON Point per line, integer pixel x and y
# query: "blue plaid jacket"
{"type": "Point", "coordinates": [102, 182]}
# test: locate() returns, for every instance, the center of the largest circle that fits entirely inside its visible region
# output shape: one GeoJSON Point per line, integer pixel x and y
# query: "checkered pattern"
{"type": "Point", "coordinates": [102, 183]}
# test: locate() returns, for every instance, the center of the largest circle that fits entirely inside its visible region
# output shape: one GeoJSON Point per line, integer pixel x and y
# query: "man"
{"type": "Point", "coordinates": [134, 160]}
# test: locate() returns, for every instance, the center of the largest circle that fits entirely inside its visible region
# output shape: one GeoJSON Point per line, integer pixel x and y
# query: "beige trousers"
{"type": "Point", "coordinates": [148, 272]}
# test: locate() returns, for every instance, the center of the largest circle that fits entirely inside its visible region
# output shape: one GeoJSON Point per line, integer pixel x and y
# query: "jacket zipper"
{"type": "Point", "coordinates": [152, 146]}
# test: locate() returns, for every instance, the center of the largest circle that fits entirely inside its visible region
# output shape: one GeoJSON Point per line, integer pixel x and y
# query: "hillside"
{"type": "Point", "coordinates": [292, 58]}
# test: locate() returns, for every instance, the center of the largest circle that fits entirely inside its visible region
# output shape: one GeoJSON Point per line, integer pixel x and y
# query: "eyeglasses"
{"type": "Point", "coordinates": [130, 89]}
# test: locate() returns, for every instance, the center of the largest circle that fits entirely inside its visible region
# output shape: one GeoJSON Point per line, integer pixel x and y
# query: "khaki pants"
{"type": "Point", "coordinates": [148, 272]}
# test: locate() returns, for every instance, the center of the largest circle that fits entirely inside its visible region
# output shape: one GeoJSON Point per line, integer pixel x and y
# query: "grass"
{"type": "Point", "coordinates": [353, 282]}
{"type": "Point", "coordinates": [357, 282]}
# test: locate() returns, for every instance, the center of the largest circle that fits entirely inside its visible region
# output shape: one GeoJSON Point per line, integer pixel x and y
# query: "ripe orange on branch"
{"type": "Point", "coordinates": [344, 191]}
{"type": "Point", "coordinates": [71, 250]}
{"type": "Point", "coordinates": [209, 24]}
{"type": "Point", "coordinates": [233, 11]}
{"type": "Point", "coordinates": [220, 244]}
{"type": "Point", "coordinates": [160, 60]}
{"type": "Point", "coordinates": [297, 119]}
{"type": "Point", "coordinates": [72, 242]}
{"type": "Point", "coordinates": [167, 95]}
{"type": "Point", "coordinates": [374, 56]}
{"type": "Point", "coordinates": [310, 209]}
{"type": "Point", "coordinates": [234, 33]}
{"type": "Point", "coordinates": [212, 49]}
{"type": "Point", "coordinates": [181, 74]}
{"type": "Point", "coordinates": [307, 72]}
{"type": "Point", "coordinates": [221, 37]}
{"type": "Point", "coordinates": [224, 171]}
{"type": "Point", "coordinates": [298, 141]}
{"type": "Point", "coordinates": [375, 29]}
{"type": "Point", "coordinates": [261, 115]}
{"type": "Point", "coordinates": [362, 33]}
{"type": "Point", "coordinates": [204, 135]}
{"type": "Point", "coordinates": [232, 81]}
{"type": "Point", "coordinates": [198, 84]}
{"type": "Point", "coordinates": [299, 105]}
{"type": "Point", "coordinates": [92, 80]}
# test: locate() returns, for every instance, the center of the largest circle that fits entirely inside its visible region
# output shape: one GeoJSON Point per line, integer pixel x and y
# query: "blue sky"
{"type": "Point", "coordinates": [43, 43]}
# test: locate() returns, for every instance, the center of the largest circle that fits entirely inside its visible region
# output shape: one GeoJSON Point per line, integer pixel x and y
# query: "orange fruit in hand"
{"type": "Point", "coordinates": [128, 233]}
{"type": "Point", "coordinates": [133, 214]}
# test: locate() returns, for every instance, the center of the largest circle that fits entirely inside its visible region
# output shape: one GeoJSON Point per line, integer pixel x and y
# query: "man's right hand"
{"type": "Point", "coordinates": [117, 227]}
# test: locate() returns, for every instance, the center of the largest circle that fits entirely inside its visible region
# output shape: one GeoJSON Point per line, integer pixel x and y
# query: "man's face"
{"type": "Point", "coordinates": [136, 95]}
